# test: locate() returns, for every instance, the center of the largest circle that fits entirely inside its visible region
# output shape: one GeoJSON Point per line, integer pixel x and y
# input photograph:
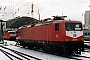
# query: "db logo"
{"type": "Point", "coordinates": [74, 35]}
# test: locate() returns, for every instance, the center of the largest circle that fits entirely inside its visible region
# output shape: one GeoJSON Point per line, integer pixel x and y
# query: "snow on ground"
{"type": "Point", "coordinates": [3, 57]}
{"type": "Point", "coordinates": [43, 56]}
{"type": "Point", "coordinates": [9, 43]}
{"type": "Point", "coordinates": [40, 55]}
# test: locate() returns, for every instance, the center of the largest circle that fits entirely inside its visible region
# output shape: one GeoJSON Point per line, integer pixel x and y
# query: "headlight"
{"type": "Point", "coordinates": [66, 39]}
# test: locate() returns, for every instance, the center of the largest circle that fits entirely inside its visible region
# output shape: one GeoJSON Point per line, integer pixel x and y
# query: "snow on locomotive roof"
{"type": "Point", "coordinates": [55, 19]}
{"type": "Point", "coordinates": [48, 22]}
{"type": "Point", "coordinates": [11, 31]}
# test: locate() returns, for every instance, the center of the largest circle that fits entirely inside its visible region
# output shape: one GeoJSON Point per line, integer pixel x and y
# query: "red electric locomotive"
{"type": "Point", "coordinates": [10, 35]}
{"type": "Point", "coordinates": [64, 36]}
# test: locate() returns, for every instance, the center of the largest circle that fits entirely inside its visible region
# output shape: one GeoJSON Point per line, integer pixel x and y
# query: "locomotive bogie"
{"type": "Point", "coordinates": [55, 47]}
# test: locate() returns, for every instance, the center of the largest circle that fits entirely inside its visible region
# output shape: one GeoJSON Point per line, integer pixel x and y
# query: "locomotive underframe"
{"type": "Point", "coordinates": [11, 38]}
{"type": "Point", "coordinates": [60, 47]}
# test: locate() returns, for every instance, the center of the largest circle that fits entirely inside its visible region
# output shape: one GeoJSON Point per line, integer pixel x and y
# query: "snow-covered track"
{"type": "Point", "coordinates": [9, 55]}
{"type": "Point", "coordinates": [77, 57]}
{"type": "Point", "coordinates": [23, 55]}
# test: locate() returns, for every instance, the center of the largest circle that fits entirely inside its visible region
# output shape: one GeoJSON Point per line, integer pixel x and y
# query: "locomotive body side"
{"type": "Point", "coordinates": [53, 37]}
{"type": "Point", "coordinates": [42, 33]}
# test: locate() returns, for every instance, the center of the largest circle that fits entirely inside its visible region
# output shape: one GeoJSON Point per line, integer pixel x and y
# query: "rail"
{"type": "Point", "coordinates": [25, 56]}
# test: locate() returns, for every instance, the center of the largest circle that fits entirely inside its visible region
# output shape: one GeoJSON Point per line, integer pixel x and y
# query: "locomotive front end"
{"type": "Point", "coordinates": [74, 37]}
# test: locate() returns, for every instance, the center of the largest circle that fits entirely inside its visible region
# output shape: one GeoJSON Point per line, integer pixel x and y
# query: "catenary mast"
{"type": "Point", "coordinates": [32, 11]}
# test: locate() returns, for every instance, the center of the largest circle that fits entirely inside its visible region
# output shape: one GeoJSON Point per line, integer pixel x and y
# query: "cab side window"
{"type": "Point", "coordinates": [57, 27]}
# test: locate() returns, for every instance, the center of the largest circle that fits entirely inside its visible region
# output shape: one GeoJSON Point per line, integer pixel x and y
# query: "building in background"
{"type": "Point", "coordinates": [87, 18]}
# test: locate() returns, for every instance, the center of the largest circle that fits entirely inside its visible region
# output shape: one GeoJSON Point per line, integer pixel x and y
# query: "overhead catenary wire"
{"type": "Point", "coordinates": [12, 9]}
{"type": "Point", "coordinates": [67, 6]}
{"type": "Point", "coordinates": [16, 5]}
{"type": "Point", "coordinates": [22, 6]}
{"type": "Point", "coordinates": [18, 9]}
{"type": "Point", "coordinates": [73, 4]}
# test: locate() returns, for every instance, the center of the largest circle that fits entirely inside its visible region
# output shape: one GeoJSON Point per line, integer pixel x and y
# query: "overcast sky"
{"type": "Point", "coordinates": [73, 9]}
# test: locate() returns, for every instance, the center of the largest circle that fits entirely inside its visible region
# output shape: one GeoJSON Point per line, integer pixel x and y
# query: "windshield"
{"type": "Point", "coordinates": [73, 26]}
{"type": "Point", "coordinates": [12, 32]}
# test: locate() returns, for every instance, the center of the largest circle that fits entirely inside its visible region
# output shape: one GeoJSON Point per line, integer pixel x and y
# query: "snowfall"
{"type": "Point", "coordinates": [41, 55]}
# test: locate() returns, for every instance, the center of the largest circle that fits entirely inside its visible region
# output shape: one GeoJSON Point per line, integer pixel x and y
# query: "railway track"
{"type": "Point", "coordinates": [16, 54]}
{"type": "Point", "coordinates": [77, 57]}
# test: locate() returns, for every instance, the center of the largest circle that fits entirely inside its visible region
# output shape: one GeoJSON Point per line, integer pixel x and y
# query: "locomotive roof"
{"type": "Point", "coordinates": [50, 22]}
{"type": "Point", "coordinates": [56, 19]}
